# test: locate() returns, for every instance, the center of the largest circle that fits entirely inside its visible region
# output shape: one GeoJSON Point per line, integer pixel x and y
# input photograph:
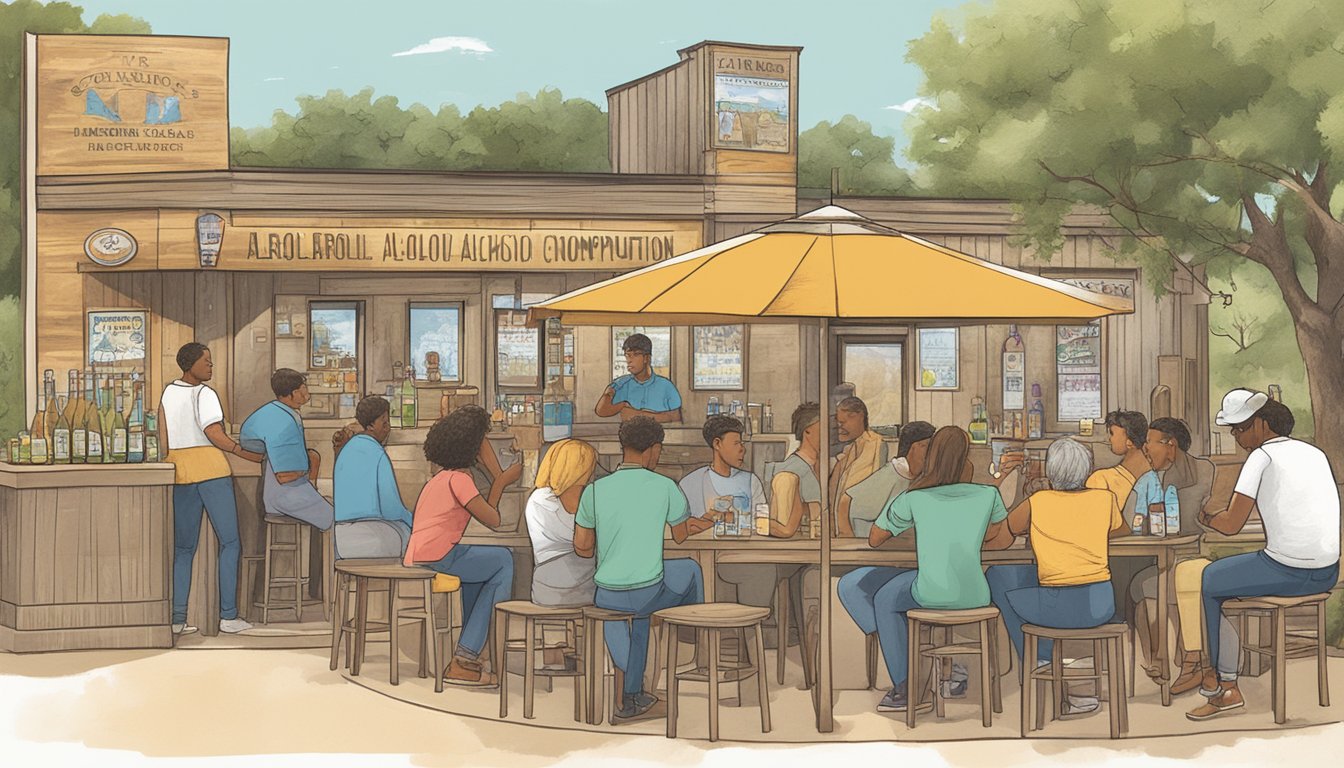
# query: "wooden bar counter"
{"type": "Point", "coordinates": [85, 556]}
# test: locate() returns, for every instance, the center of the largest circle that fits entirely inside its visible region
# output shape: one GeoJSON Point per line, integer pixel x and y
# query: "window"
{"type": "Point", "coordinates": [436, 333]}
{"type": "Point", "coordinates": [662, 349]}
{"type": "Point", "coordinates": [717, 357]}
{"type": "Point", "coordinates": [334, 336]}
{"type": "Point", "coordinates": [874, 368]}
{"type": "Point", "coordinates": [517, 351]}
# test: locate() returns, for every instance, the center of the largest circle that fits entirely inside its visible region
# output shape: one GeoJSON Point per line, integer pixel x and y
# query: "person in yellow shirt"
{"type": "Point", "coordinates": [864, 452]}
{"type": "Point", "coordinates": [1127, 431]}
{"type": "Point", "coordinates": [1070, 526]}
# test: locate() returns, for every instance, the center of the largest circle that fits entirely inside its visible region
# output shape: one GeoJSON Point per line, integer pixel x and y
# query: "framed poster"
{"type": "Point", "coordinates": [662, 348]}
{"type": "Point", "coordinates": [518, 352]}
{"type": "Point", "coordinates": [718, 357]}
{"type": "Point", "coordinates": [1078, 372]}
{"type": "Point", "coordinates": [938, 367]}
{"type": "Point", "coordinates": [116, 337]}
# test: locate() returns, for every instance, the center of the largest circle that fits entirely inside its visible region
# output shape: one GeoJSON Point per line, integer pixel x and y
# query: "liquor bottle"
{"type": "Point", "coordinates": [135, 423]}
{"type": "Point", "coordinates": [118, 429]}
{"type": "Point", "coordinates": [768, 421]}
{"type": "Point", "coordinates": [1035, 417]}
{"type": "Point", "coordinates": [1172, 503]}
{"type": "Point", "coordinates": [979, 427]}
{"type": "Point", "coordinates": [93, 422]}
{"type": "Point", "coordinates": [60, 430]}
{"type": "Point", "coordinates": [38, 430]}
{"type": "Point", "coordinates": [393, 398]}
{"type": "Point", "coordinates": [105, 411]}
{"type": "Point", "coordinates": [1014, 371]}
{"type": "Point", "coordinates": [25, 447]}
{"type": "Point", "coordinates": [409, 418]}
{"type": "Point", "coordinates": [74, 415]}
{"type": "Point", "coordinates": [152, 437]}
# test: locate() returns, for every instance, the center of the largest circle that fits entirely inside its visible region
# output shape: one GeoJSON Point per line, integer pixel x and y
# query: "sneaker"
{"type": "Point", "coordinates": [955, 688]}
{"type": "Point", "coordinates": [894, 701]}
{"type": "Point", "coordinates": [1189, 679]}
{"type": "Point", "coordinates": [1227, 700]}
{"type": "Point", "coordinates": [184, 629]}
{"type": "Point", "coordinates": [1080, 705]}
{"type": "Point", "coordinates": [636, 704]}
{"type": "Point", "coordinates": [233, 626]}
{"type": "Point", "coordinates": [468, 672]}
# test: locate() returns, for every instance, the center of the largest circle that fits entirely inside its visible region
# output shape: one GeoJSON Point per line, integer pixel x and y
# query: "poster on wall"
{"type": "Point", "coordinates": [518, 350]}
{"type": "Point", "coordinates": [662, 348]}
{"type": "Point", "coordinates": [751, 113]}
{"type": "Point", "coordinates": [938, 367]}
{"type": "Point", "coordinates": [117, 337]}
{"type": "Point", "coordinates": [716, 357]}
{"type": "Point", "coordinates": [1078, 371]}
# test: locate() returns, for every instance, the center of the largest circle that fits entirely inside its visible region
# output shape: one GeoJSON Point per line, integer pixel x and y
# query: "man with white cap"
{"type": "Point", "coordinates": [1292, 484]}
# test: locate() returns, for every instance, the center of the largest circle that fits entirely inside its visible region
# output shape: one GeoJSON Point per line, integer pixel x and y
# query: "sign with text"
{"type": "Point", "coordinates": [127, 104]}
{"type": "Point", "coordinates": [450, 247]}
{"type": "Point", "coordinates": [752, 98]}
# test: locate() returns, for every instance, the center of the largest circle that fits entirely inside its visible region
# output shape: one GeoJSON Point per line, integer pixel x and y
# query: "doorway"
{"type": "Point", "coordinates": [875, 365]}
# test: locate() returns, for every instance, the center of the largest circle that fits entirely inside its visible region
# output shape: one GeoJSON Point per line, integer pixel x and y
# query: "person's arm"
{"type": "Point", "coordinates": [1231, 520]}
{"type": "Point", "coordinates": [786, 505]}
{"type": "Point", "coordinates": [680, 531]}
{"type": "Point", "coordinates": [678, 514]}
{"type": "Point", "coordinates": [215, 434]}
{"type": "Point", "coordinates": [1118, 526]}
{"type": "Point", "coordinates": [605, 407]}
{"type": "Point", "coordinates": [585, 541]}
{"type": "Point", "coordinates": [1019, 518]}
{"type": "Point", "coordinates": [503, 480]}
{"type": "Point", "coordinates": [897, 518]}
{"type": "Point", "coordinates": [842, 525]}
{"type": "Point", "coordinates": [314, 463]}
{"type": "Point", "coordinates": [489, 461]}
{"type": "Point", "coordinates": [877, 536]}
{"type": "Point", "coordinates": [998, 536]}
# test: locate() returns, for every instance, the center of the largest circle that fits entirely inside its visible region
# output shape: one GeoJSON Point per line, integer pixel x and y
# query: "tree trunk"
{"type": "Point", "coordinates": [1321, 339]}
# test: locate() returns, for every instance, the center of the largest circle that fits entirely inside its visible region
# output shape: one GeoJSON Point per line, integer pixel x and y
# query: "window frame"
{"type": "Point", "coordinates": [461, 308]}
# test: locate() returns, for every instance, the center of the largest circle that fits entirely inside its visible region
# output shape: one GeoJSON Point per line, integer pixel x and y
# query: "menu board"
{"type": "Point", "coordinates": [1078, 371]}
{"type": "Point", "coordinates": [717, 357]}
{"type": "Point", "coordinates": [938, 368]}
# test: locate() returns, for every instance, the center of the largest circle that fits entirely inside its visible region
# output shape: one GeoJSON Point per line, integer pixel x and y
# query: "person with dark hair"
{"type": "Point", "coordinates": [864, 501]}
{"type": "Point", "coordinates": [446, 505]}
{"type": "Point", "coordinates": [952, 519]}
{"type": "Point", "coordinates": [795, 490]}
{"type": "Point", "coordinates": [289, 471]}
{"type": "Point", "coordinates": [864, 453]}
{"type": "Point", "coordinates": [641, 392]}
{"type": "Point", "coordinates": [1167, 449]}
{"type": "Point", "coordinates": [192, 419]}
{"type": "Point", "coordinates": [621, 520]}
{"type": "Point", "coordinates": [1291, 483]}
{"type": "Point", "coordinates": [1126, 432]}
{"type": "Point", "coordinates": [371, 518]}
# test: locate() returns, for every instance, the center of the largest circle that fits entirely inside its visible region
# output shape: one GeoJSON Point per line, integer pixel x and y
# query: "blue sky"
{"type": "Point", "coordinates": [487, 52]}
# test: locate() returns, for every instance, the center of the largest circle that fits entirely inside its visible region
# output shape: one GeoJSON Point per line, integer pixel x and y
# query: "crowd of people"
{"type": "Point", "coordinates": [601, 541]}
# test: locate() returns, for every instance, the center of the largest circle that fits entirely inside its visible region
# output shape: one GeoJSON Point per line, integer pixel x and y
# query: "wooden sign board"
{"type": "Point", "coordinates": [131, 104]}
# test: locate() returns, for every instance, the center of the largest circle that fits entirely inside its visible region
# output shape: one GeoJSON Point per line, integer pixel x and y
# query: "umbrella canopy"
{"type": "Point", "coordinates": [830, 263]}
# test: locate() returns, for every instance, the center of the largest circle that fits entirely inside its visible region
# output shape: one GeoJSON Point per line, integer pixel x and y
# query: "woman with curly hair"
{"type": "Point", "coordinates": [446, 505]}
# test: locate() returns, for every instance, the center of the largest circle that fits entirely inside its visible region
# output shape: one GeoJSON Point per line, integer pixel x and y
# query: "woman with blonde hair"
{"type": "Point", "coordinates": [560, 578]}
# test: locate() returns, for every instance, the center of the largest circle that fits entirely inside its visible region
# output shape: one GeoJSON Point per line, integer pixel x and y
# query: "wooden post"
{"type": "Point", "coordinates": [825, 701]}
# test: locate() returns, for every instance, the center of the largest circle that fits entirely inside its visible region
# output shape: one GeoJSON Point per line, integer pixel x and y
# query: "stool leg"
{"type": "Point", "coordinates": [617, 687]}
{"type": "Point", "coordinates": [781, 627]}
{"type": "Point", "coordinates": [986, 675]}
{"type": "Point", "coordinates": [592, 668]}
{"type": "Point", "coordinates": [943, 671]}
{"type": "Point", "coordinates": [1028, 685]}
{"type": "Point", "coordinates": [529, 665]}
{"type": "Point", "coordinates": [502, 662]}
{"type": "Point", "coordinates": [266, 576]}
{"type": "Point", "coordinates": [337, 626]}
{"type": "Point", "coordinates": [1322, 677]}
{"type": "Point", "coordinates": [651, 678]}
{"type": "Point", "coordinates": [361, 623]}
{"type": "Point", "coordinates": [1102, 653]}
{"type": "Point", "coordinates": [393, 647]}
{"type": "Point", "coordinates": [1057, 677]}
{"type": "Point", "coordinates": [996, 678]}
{"type": "Point", "coordinates": [300, 549]}
{"type": "Point", "coordinates": [1280, 664]}
{"type": "Point", "coordinates": [714, 640]}
{"type": "Point", "coordinates": [328, 563]}
{"type": "Point", "coordinates": [912, 688]}
{"type": "Point", "coordinates": [427, 627]}
{"type": "Point", "coordinates": [1133, 659]}
{"type": "Point", "coordinates": [671, 682]}
{"type": "Point", "coordinates": [1124, 695]}
{"type": "Point", "coordinates": [761, 682]}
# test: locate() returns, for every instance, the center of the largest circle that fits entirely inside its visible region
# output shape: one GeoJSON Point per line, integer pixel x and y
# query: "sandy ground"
{"type": "Point", "coordinates": [284, 708]}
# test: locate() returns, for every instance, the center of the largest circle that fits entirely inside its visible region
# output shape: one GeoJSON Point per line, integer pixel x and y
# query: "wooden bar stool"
{"type": "Point", "coordinates": [1277, 650]}
{"type": "Point", "coordinates": [712, 619]}
{"type": "Point", "coordinates": [448, 586]}
{"type": "Point", "coordinates": [283, 534]}
{"type": "Point", "coordinates": [361, 572]}
{"type": "Point", "coordinates": [597, 663]}
{"type": "Point", "coordinates": [1107, 664]}
{"type": "Point", "coordinates": [942, 651]}
{"type": "Point", "coordinates": [534, 618]}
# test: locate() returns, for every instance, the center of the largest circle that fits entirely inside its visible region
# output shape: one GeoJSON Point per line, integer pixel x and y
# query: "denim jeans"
{"type": "Point", "coordinates": [1019, 596]}
{"type": "Point", "coordinates": [487, 580]}
{"type": "Point", "coordinates": [682, 584]}
{"type": "Point", "coordinates": [1253, 574]}
{"type": "Point", "coordinates": [216, 498]}
{"type": "Point", "coordinates": [877, 598]}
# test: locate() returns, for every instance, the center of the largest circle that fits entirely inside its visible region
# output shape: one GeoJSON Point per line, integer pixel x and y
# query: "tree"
{"type": "Point", "coordinates": [865, 160]}
{"type": "Point", "coordinates": [1209, 129]}
{"type": "Point", "coordinates": [542, 133]}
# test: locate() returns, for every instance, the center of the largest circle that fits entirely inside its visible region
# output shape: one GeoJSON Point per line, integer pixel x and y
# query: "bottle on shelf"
{"type": "Point", "coordinates": [152, 437]}
{"type": "Point", "coordinates": [93, 421]}
{"type": "Point", "coordinates": [38, 442]}
{"type": "Point", "coordinates": [1036, 416]}
{"type": "Point", "coordinates": [25, 447]}
{"type": "Point", "coordinates": [768, 418]}
{"type": "Point", "coordinates": [1172, 505]}
{"type": "Point", "coordinates": [135, 423]}
{"type": "Point", "coordinates": [105, 418]}
{"type": "Point", "coordinates": [979, 427]}
{"type": "Point", "coordinates": [118, 454]}
{"type": "Point", "coordinates": [1014, 370]}
{"type": "Point", "coordinates": [409, 417]}
{"type": "Point", "coordinates": [74, 415]}
{"type": "Point", "coordinates": [60, 430]}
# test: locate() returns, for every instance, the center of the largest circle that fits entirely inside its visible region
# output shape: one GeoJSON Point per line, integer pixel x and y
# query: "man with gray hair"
{"type": "Point", "coordinates": [1069, 587]}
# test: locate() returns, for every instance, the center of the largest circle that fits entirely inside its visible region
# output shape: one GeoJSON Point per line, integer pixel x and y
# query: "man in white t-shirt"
{"type": "Point", "coordinates": [193, 420]}
{"type": "Point", "coordinates": [1292, 484]}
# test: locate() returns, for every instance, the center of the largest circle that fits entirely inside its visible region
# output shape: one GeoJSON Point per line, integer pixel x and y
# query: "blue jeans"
{"type": "Point", "coordinates": [1019, 596]}
{"type": "Point", "coordinates": [487, 580]}
{"type": "Point", "coordinates": [1253, 574]}
{"type": "Point", "coordinates": [877, 599]}
{"type": "Point", "coordinates": [682, 584]}
{"type": "Point", "coordinates": [216, 498]}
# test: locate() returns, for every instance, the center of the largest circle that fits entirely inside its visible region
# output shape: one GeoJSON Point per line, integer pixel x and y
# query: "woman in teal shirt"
{"type": "Point", "coordinates": [953, 518]}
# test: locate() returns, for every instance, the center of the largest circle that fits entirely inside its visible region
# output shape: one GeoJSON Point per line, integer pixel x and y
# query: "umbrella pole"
{"type": "Point", "coordinates": [825, 702]}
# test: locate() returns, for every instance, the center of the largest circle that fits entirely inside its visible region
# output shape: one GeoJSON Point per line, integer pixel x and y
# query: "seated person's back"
{"type": "Point", "coordinates": [371, 518]}
{"type": "Point", "coordinates": [560, 577]}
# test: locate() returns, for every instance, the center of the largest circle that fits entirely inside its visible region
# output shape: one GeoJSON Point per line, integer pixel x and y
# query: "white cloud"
{"type": "Point", "coordinates": [445, 44]}
{"type": "Point", "coordinates": [271, 79]}
{"type": "Point", "coordinates": [910, 105]}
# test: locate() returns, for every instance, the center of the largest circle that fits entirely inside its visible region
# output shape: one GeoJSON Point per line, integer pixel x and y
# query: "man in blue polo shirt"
{"type": "Point", "coordinates": [371, 519]}
{"type": "Point", "coordinates": [290, 468]}
{"type": "Point", "coordinates": [640, 392]}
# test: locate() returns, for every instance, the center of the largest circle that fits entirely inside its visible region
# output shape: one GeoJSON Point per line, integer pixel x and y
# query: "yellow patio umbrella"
{"type": "Point", "coordinates": [828, 264]}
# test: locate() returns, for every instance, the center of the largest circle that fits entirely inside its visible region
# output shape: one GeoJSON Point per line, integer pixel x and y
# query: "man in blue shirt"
{"type": "Point", "coordinates": [290, 467]}
{"type": "Point", "coordinates": [640, 392]}
{"type": "Point", "coordinates": [371, 519]}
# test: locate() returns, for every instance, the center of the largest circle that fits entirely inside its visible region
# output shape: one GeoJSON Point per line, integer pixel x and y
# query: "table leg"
{"type": "Point", "coordinates": [393, 652]}
{"type": "Point", "coordinates": [1161, 654]}
{"type": "Point", "coordinates": [361, 623]}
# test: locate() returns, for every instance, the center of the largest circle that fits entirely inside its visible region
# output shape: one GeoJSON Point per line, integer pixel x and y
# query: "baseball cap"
{"type": "Point", "coordinates": [1240, 405]}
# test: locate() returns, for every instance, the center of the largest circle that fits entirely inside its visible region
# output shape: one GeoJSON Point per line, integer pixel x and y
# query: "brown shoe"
{"type": "Point", "coordinates": [1190, 678]}
{"type": "Point", "coordinates": [1227, 700]}
{"type": "Point", "coordinates": [467, 672]}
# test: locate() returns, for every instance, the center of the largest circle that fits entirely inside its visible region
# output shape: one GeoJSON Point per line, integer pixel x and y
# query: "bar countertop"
{"type": "Point", "coordinates": [28, 476]}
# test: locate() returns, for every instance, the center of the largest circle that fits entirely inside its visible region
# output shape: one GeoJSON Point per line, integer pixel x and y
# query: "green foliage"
{"type": "Point", "coordinates": [865, 160]}
{"type": "Point", "coordinates": [545, 132]}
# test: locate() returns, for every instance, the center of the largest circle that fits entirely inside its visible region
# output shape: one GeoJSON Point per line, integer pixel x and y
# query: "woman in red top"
{"type": "Point", "coordinates": [447, 503]}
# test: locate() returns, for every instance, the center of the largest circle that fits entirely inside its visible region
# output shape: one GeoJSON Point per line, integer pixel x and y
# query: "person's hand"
{"type": "Point", "coordinates": [1008, 462]}
{"type": "Point", "coordinates": [699, 525]}
{"type": "Point", "coordinates": [512, 474]}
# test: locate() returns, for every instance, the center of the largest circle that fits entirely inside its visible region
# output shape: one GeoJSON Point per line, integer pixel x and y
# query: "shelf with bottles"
{"type": "Point", "coordinates": [101, 419]}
